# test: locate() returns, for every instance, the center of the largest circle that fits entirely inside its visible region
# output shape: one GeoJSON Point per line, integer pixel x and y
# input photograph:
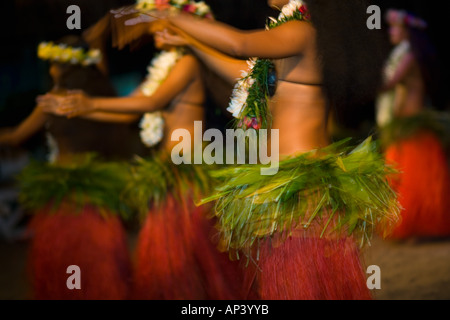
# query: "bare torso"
{"type": "Point", "coordinates": [410, 93]}
{"type": "Point", "coordinates": [299, 106]}
{"type": "Point", "coordinates": [183, 111]}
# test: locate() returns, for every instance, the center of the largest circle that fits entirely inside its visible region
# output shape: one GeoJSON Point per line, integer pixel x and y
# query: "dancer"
{"type": "Point", "coordinates": [295, 226]}
{"type": "Point", "coordinates": [175, 256]}
{"type": "Point", "coordinates": [412, 133]}
{"type": "Point", "coordinates": [77, 214]}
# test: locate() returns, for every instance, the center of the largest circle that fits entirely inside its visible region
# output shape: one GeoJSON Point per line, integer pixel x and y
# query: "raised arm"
{"type": "Point", "coordinates": [110, 117]}
{"type": "Point", "coordinates": [32, 124]}
{"type": "Point", "coordinates": [100, 116]}
{"type": "Point", "coordinates": [284, 41]}
{"type": "Point", "coordinates": [179, 78]}
{"type": "Point", "coordinates": [227, 67]}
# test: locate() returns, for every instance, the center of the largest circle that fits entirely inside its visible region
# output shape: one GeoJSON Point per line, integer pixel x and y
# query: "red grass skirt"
{"type": "Point", "coordinates": [423, 186]}
{"type": "Point", "coordinates": [176, 259]}
{"type": "Point", "coordinates": [95, 244]}
{"type": "Point", "coordinates": [302, 268]}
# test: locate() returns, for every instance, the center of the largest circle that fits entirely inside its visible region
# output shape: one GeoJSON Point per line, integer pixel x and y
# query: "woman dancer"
{"type": "Point", "coordinates": [76, 218]}
{"type": "Point", "coordinates": [412, 133]}
{"type": "Point", "coordinates": [295, 225]}
{"type": "Point", "coordinates": [175, 256]}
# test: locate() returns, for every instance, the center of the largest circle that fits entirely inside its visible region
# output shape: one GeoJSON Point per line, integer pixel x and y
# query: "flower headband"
{"type": "Point", "coordinates": [198, 8]}
{"type": "Point", "coordinates": [66, 54]}
{"type": "Point", "coordinates": [405, 18]}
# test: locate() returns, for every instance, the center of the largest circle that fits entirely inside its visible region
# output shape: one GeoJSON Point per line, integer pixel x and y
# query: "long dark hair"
{"type": "Point", "coordinates": [351, 55]}
{"type": "Point", "coordinates": [427, 58]}
{"type": "Point", "coordinates": [87, 78]}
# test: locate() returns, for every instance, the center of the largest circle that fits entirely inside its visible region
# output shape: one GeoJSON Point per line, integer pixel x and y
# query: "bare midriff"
{"type": "Point", "coordinates": [182, 113]}
{"type": "Point", "coordinates": [410, 94]}
{"type": "Point", "coordinates": [298, 107]}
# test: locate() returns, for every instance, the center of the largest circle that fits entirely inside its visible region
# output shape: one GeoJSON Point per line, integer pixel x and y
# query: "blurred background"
{"type": "Point", "coordinates": [25, 23]}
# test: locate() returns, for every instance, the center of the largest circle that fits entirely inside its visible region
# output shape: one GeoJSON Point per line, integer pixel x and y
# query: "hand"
{"type": "Point", "coordinates": [50, 103]}
{"type": "Point", "coordinates": [139, 16]}
{"type": "Point", "coordinates": [128, 25]}
{"type": "Point", "coordinates": [124, 11]}
{"type": "Point", "coordinates": [150, 17]}
{"type": "Point", "coordinates": [166, 38]}
{"type": "Point", "coordinates": [75, 103]}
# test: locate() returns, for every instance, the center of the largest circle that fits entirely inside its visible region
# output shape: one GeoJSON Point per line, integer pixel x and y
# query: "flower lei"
{"type": "Point", "coordinates": [152, 123]}
{"type": "Point", "coordinates": [250, 94]}
{"type": "Point", "coordinates": [385, 101]}
{"type": "Point", "coordinates": [395, 58]}
{"type": "Point", "coordinates": [198, 8]}
{"type": "Point", "coordinates": [66, 54]}
{"type": "Point", "coordinates": [53, 148]}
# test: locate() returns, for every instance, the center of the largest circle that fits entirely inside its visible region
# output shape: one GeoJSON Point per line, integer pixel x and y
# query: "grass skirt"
{"type": "Point", "coordinates": [177, 260]}
{"type": "Point", "coordinates": [76, 221]}
{"type": "Point", "coordinates": [423, 185]}
{"type": "Point", "coordinates": [298, 228]}
{"type": "Point", "coordinates": [176, 257]}
{"type": "Point", "coordinates": [96, 244]}
{"type": "Point", "coordinates": [310, 269]}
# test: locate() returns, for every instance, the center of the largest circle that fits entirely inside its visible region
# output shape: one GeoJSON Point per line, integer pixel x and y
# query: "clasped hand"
{"type": "Point", "coordinates": [73, 104]}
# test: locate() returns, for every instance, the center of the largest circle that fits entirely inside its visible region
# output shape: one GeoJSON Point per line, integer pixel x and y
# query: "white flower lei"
{"type": "Point", "coordinates": [385, 101]}
{"type": "Point", "coordinates": [395, 57]}
{"type": "Point", "coordinates": [241, 89]}
{"type": "Point", "coordinates": [152, 123]}
{"type": "Point", "coordinates": [199, 8]}
{"type": "Point", "coordinates": [53, 148]}
{"type": "Point", "coordinates": [289, 9]}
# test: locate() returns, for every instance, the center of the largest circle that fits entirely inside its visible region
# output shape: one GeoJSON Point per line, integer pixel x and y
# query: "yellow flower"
{"type": "Point", "coordinates": [77, 56]}
{"type": "Point", "coordinates": [55, 52]}
{"type": "Point", "coordinates": [66, 55]}
{"type": "Point", "coordinates": [146, 5]}
{"type": "Point", "coordinates": [45, 50]}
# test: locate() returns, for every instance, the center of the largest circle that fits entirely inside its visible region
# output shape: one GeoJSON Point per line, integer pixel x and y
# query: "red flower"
{"type": "Point", "coordinates": [256, 124]}
{"type": "Point", "coordinates": [303, 9]}
{"type": "Point", "coordinates": [247, 122]}
{"type": "Point", "coordinates": [162, 4]}
{"type": "Point", "coordinates": [250, 122]}
{"type": "Point", "coordinates": [189, 8]}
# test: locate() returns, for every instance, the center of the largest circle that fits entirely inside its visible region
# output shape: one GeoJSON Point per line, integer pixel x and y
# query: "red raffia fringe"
{"type": "Point", "coordinates": [86, 239]}
{"type": "Point", "coordinates": [308, 268]}
{"type": "Point", "coordinates": [423, 186]}
{"type": "Point", "coordinates": [177, 260]}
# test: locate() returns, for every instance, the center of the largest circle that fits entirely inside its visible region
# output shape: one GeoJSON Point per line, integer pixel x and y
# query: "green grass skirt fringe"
{"type": "Point", "coordinates": [126, 188]}
{"type": "Point", "coordinates": [343, 189]}
{"type": "Point", "coordinates": [405, 127]}
{"type": "Point", "coordinates": [153, 178]}
{"type": "Point", "coordinates": [85, 180]}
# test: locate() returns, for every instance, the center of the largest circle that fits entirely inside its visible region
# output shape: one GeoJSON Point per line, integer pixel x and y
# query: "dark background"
{"type": "Point", "coordinates": [411, 270]}
{"type": "Point", "coordinates": [25, 23]}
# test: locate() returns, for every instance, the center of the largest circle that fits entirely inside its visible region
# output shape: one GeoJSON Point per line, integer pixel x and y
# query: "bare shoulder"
{"type": "Point", "coordinates": [296, 32]}
{"type": "Point", "coordinates": [302, 27]}
{"type": "Point", "coordinates": [189, 60]}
